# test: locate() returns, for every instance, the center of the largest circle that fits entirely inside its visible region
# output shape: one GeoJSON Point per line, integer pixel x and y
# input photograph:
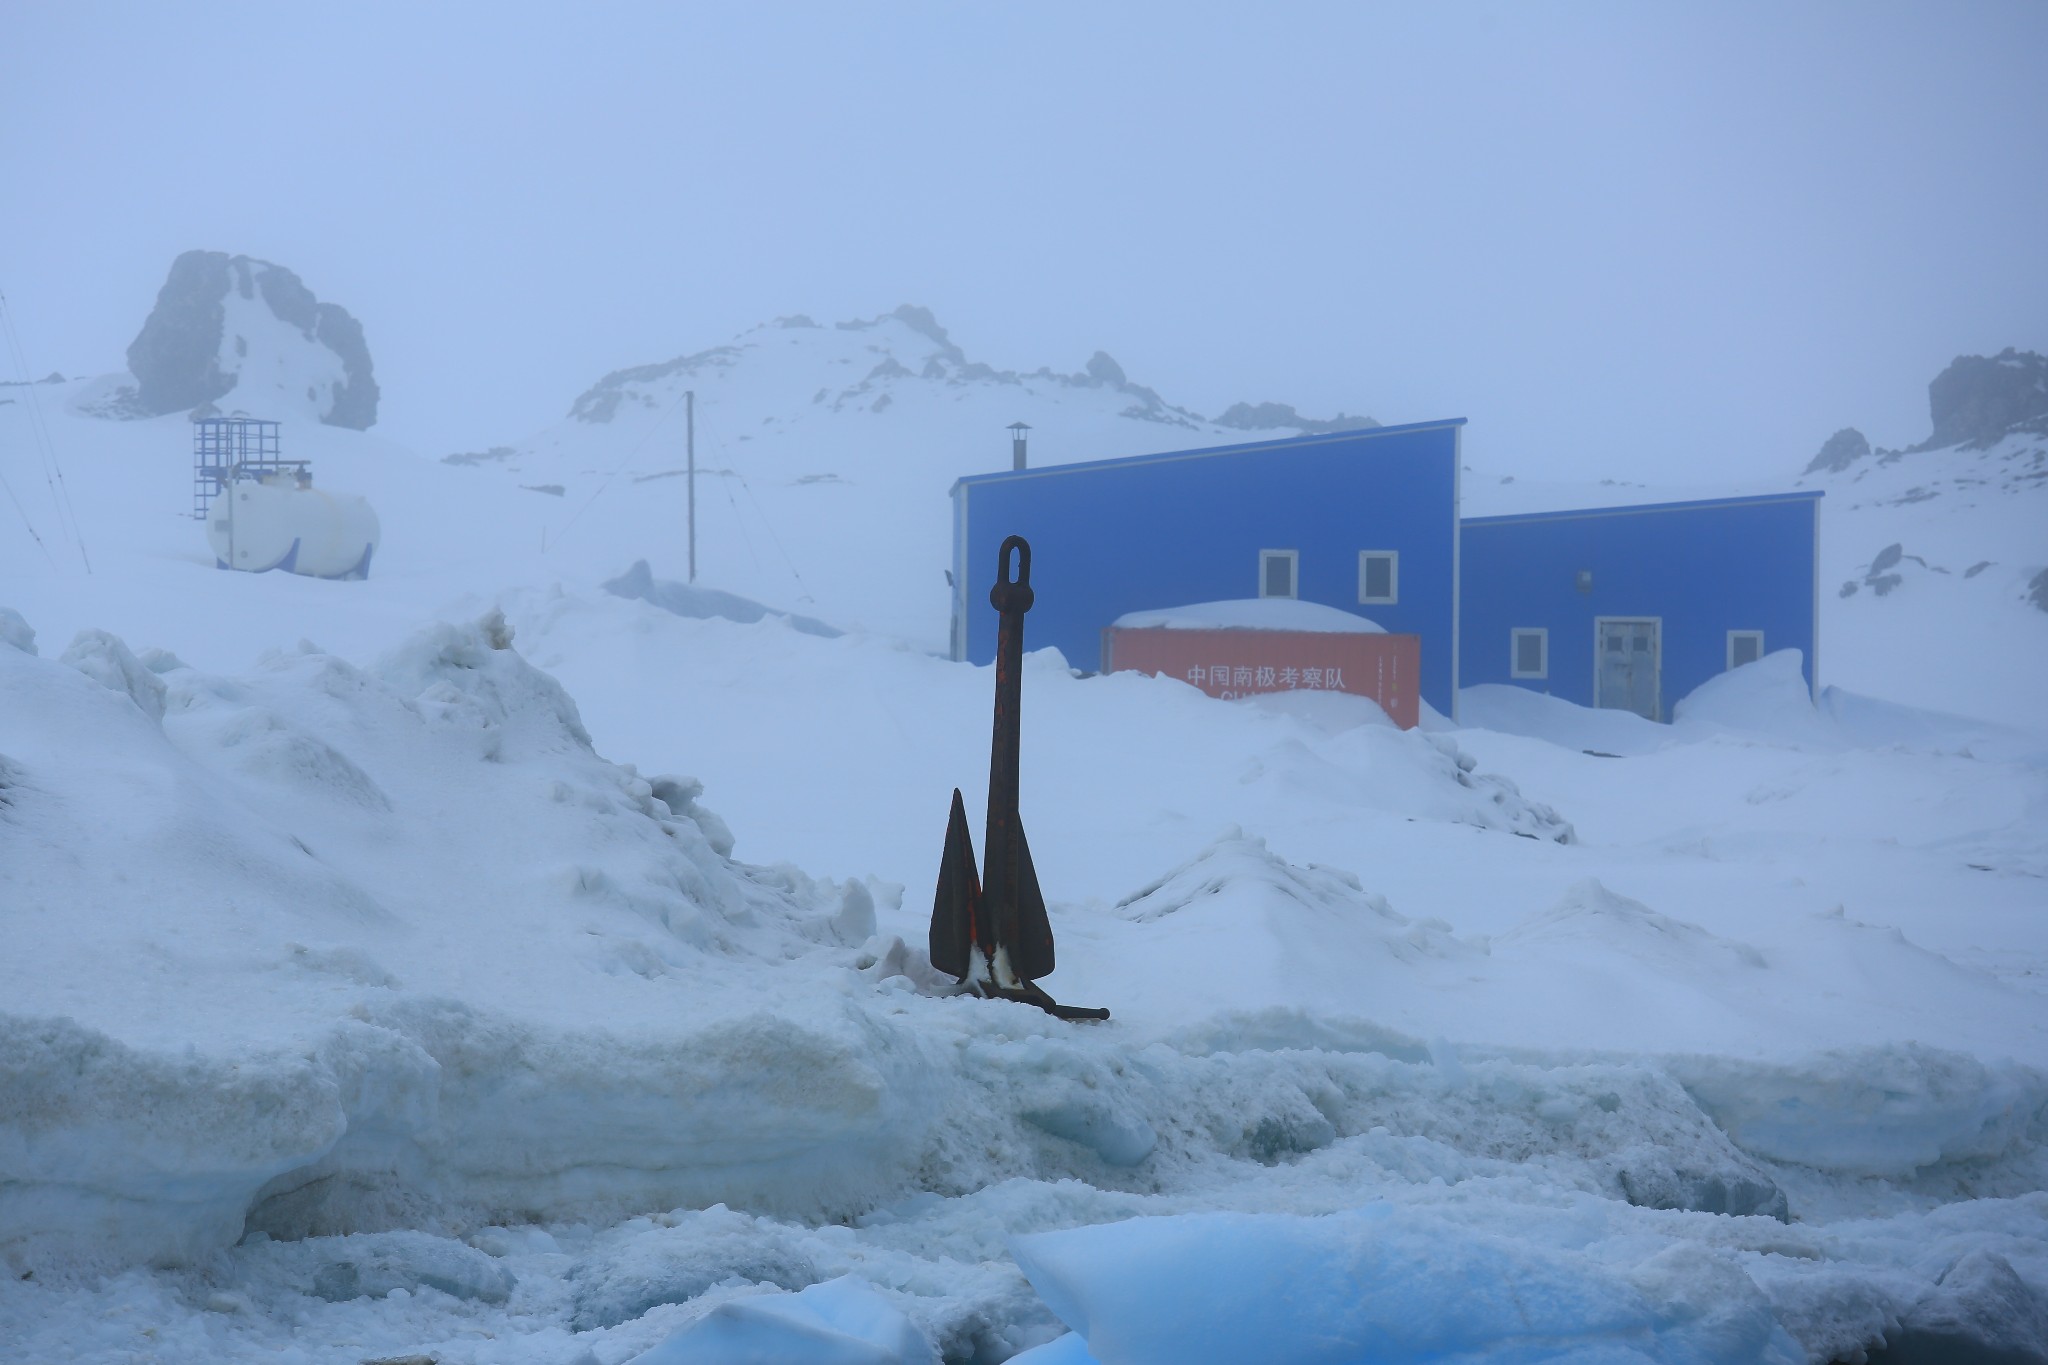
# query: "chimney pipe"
{"type": "Point", "coordinates": [1017, 430]}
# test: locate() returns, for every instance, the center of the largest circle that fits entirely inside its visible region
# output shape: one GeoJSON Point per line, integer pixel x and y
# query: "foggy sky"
{"type": "Point", "coordinates": [1686, 243]}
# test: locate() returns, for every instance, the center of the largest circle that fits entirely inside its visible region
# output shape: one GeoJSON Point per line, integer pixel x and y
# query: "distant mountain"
{"type": "Point", "coordinates": [910, 345]}
{"type": "Point", "coordinates": [239, 333]}
{"type": "Point", "coordinates": [816, 443]}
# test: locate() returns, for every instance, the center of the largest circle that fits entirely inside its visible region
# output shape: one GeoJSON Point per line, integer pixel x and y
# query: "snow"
{"type": "Point", "coordinates": [514, 959]}
{"type": "Point", "coordinates": [1251, 613]}
{"type": "Point", "coordinates": [838, 1322]}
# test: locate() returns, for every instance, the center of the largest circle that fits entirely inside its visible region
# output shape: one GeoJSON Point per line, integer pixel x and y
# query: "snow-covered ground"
{"type": "Point", "coordinates": [476, 964]}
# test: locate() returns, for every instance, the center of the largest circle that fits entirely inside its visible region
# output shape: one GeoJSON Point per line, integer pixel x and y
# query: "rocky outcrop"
{"type": "Point", "coordinates": [1977, 400]}
{"type": "Point", "coordinates": [176, 357]}
{"type": "Point", "coordinates": [1282, 416]}
{"type": "Point", "coordinates": [1840, 451]}
{"type": "Point", "coordinates": [206, 335]}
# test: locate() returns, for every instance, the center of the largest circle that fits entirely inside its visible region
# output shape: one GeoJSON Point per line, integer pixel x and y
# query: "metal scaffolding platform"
{"type": "Point", "coordinates": [225, 449]}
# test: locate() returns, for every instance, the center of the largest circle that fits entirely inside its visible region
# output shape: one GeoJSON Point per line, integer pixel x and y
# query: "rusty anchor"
{"type": "Point", "coordinates": [991, 931]}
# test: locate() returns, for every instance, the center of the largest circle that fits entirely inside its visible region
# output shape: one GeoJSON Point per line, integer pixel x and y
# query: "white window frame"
{"type": "Point", "coordinates": [1734, 635]}
{"type": "Point", "coordinates": [1515, 634]}
{"type": "Point", "coordinates": [1393, 597]}
{"type": "Point", "coordinates": [1293, 558]}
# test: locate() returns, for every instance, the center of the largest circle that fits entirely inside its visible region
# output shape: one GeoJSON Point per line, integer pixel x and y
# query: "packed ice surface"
{"type": "Point", "coordinates": [360, 1001]}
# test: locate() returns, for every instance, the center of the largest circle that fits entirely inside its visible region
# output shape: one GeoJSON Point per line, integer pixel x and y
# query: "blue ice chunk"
{"type": "Point", "coordinates": [1374, 1284]}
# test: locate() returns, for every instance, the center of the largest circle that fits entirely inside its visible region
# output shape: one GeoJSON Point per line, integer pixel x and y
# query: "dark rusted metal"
{"type": "Point", "coordinates": [958, 927]}
{"type": "Point", "coordinates": [992, 931]}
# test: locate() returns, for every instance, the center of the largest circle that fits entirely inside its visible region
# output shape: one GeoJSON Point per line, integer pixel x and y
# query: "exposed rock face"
{"type": "Point", "coordinates": [214, 331]}
{"type": "Point", "coordinates": [1104, 370]}
{"type": "Point", "coordinates": [1978, 400]}
{"type": "Point", "coordinates": [1279, 416]}
{"type": "Point", "coordinates": [1842, 449]}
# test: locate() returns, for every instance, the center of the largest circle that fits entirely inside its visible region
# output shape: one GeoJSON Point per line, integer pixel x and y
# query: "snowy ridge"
{"type": "Point", "coordinates": [807, 434]}
{"type": "Point", "coordinates": [1942, 547]}
{"type": "Point", "coordinates": [908, 343]}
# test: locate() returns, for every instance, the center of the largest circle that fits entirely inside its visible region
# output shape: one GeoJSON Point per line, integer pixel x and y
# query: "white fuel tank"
{"type": "Point", "coordinates": [279, 523]}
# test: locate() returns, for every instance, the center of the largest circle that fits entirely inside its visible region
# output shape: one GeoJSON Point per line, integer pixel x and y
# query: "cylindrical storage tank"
{"type": "Point", "coordinates": [277, 524]}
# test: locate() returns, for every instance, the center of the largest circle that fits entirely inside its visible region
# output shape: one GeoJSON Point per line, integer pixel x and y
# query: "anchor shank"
{"type": "Point", "coordinates": [1001, 843]}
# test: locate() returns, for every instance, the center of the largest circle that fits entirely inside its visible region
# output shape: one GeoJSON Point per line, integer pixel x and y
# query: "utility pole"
{"type": "Point", "coordinates": [690, 428]}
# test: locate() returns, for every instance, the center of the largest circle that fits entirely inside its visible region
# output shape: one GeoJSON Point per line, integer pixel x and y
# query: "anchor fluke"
{"type": "Point", "coordinates": [957, 906]}
{"type": "Point", "coordinates": [1031, 953]}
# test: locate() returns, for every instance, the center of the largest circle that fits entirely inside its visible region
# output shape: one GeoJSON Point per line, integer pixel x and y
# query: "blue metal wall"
{"type": "Point", "coordinates": [1704, 568]}
{"type": "Point", "coordinates": [1153, 531]}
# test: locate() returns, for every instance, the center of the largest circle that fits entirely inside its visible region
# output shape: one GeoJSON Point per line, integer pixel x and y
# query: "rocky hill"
{"type": "Point", "coordinates": [1938, 546]}
{"type": "Point", "coordinates": [244, 334]}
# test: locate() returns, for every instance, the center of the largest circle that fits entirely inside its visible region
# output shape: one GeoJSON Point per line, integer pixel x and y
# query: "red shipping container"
{"type": "Point", "coordinates": [1237, 662]}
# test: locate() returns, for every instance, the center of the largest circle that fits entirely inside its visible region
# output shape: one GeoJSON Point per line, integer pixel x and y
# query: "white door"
{"type": "Point", "coordinates": [1628, 665]}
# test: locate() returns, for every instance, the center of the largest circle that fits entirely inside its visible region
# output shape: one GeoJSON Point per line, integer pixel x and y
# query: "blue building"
{"type": "Point", "coordinates": [1633, 607]}
{"type": "Point", "coordinates": [1628, 607]}
{"type": "Point", "coordinates": [1363, 520]}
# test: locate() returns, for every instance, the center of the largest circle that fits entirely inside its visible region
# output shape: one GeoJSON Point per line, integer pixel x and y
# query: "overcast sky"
{"type": "Point", "coordinates": [1616, 237]}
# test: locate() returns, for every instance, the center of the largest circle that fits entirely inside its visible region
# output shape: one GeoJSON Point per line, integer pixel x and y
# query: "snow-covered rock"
{"type": "Point", "coordinates": [245, 334]}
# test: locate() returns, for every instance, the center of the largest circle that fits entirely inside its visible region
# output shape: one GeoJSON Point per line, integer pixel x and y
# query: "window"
{"type": "Point", "coordinates": [1744, 647]}
{"type": "Point", "coordinates": [1277, 576]}
{"type": "Point", "coordinates": [1379, 576]}
{"type": "Point", "coordinates": [1529, 652]}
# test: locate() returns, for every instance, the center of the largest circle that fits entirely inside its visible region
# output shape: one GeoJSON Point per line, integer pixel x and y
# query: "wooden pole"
{"type": "Point", "coordinates": [690, 426]}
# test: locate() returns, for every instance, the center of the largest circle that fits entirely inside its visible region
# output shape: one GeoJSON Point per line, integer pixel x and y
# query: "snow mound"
{"type": "Point", "coordinates": [1768, 697]}
{"type": "Point", "coordinates": [109, 662]}
{"type": "Point", "coordinates": [1418, 774]}
{"type": "Point", "coordinates": [839, 1322]}
{"type": "Point", "coordinates": [1251, 613]}
{"type": "Point", "coordinates": [687, 599]}
{"type": "Point", "coordinates": [1592, 917]}
{"type": "Point", "coordinates": [1521, 711]}
{"type": "Point", "coordinates": [1239, 875]}
{"type": "Point", "coordinates": [16, 633]}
